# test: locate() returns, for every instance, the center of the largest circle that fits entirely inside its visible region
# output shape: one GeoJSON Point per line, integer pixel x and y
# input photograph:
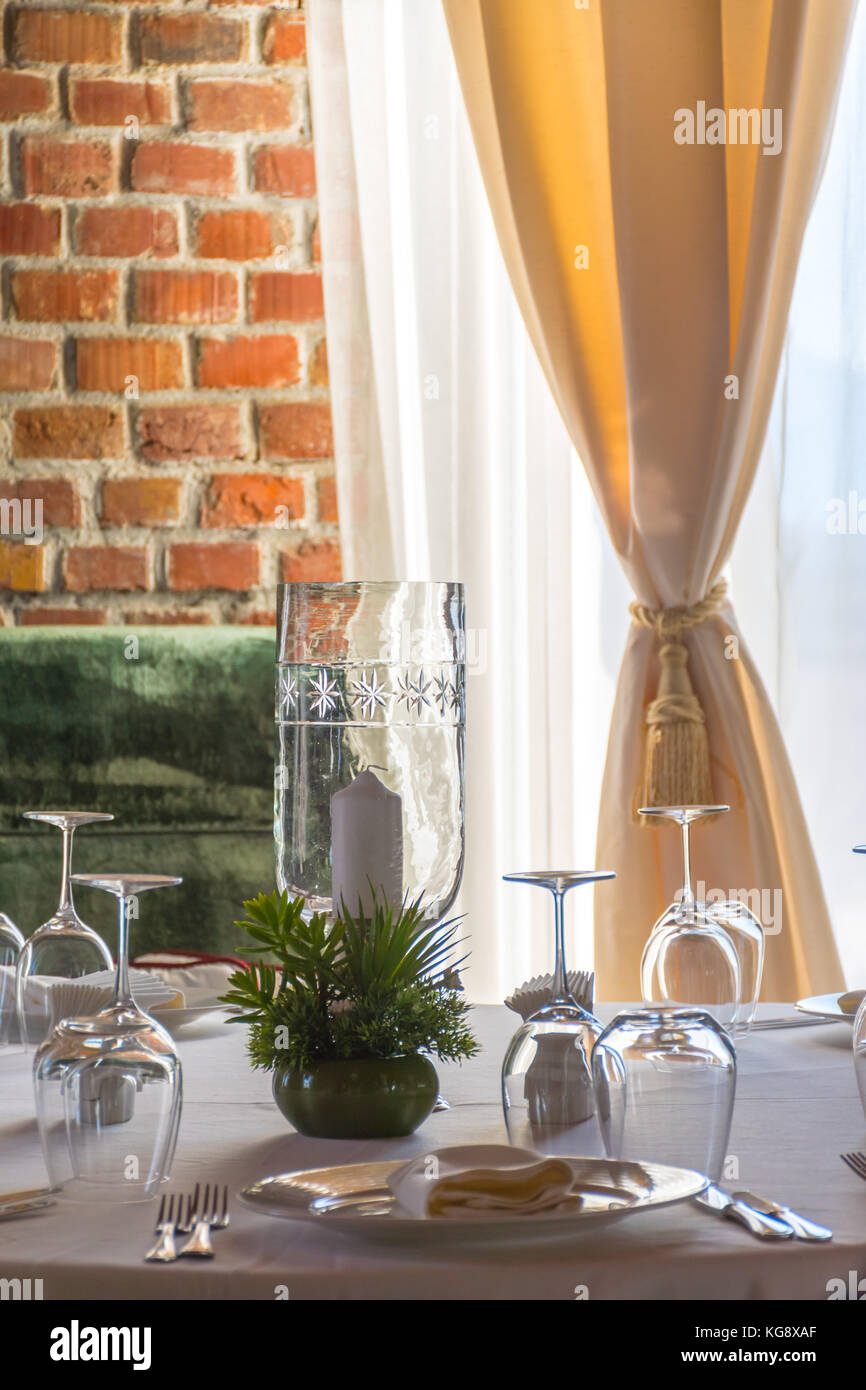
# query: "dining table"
{"type": "Point", "coordinates": [797, 1109]}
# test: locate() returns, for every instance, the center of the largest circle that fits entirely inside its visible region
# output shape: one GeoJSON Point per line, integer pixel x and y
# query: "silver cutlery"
{"type": "Point", "coordinates": [21, 1203]}
{"type": "Point", "coordinates": [169, 1221]}
{"type": "Point", "coordinates": [803, 1228]}
{"type": "Point", "coordinates": [764, 1226]}
{"type": "Point", "coordinates": [764, 1025]}
{"type": "Point", "coordinates": [211, 1214]}
{"type": "Point", "coordinates": [856, 1162]}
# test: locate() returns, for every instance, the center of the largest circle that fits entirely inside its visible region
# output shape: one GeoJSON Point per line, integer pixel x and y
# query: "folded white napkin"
{"type": "Point", "coordinates": [472, 1180]}
{"type": "Point", "coordinates": [57, 997]}
{"type": "Point", "coordinates": [199, 984]}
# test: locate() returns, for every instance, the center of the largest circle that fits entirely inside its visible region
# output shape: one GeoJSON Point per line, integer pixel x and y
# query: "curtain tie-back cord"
{"type": "Point", "coordinates": [677, 755]}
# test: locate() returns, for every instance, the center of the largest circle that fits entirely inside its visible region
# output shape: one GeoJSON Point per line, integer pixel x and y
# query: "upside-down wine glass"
{"type": "Point", "coordinates": [11, 941]}
{"type": "Point", "coordinates": [546, 1078]}
{"type": "Point", "coordinates": [860, 1034]}
{"type": "Point", "coordinates": [64, 947]}
{"type": "Point", "coordinates": [690, 958]}
{"type": "Point", "coordinates": [108, 1088]}
{"type": "Point", "coordinates": [665, 1081]}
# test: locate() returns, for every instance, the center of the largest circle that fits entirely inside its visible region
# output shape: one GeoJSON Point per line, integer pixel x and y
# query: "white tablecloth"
{"type": "Point", "coordinates": [797, 1109]}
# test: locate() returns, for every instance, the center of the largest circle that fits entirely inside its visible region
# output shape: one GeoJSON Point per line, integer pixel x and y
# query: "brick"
{"type": "Point", "coordinates": [27, 364]}
{"type": "Point", "coordinates": [326, 498]}
{"type": "Point", "coordinates": [229, 565]}
{"type": "Point", "coordinates": [67, 168]}
{"type": "Point", "coordinates": [252, 499]}
{"type": "Point", "coordinates": [66, 36]}
{"type": "Point", "coordinates": [296, 430]}
{"type": "Point", "coordinates": [185, 296]}
{"type": "Point", "coordinates": [260, 617]}
{"type": "Point", "coordinates": [288, 170]}
{"type": "Point", "coordinates": [22, 567]}
{"type": "Point", "coordinates": [126, 231]}
{"type": "Point", "coordinates": [190, 38]}
{"type": "Point", "coordinates": [68, 432]}
{"type": "Point", "coordinates": [60, 504]}
{"type": "Point", "coordinates": [276, 296]}
{"type": "Point", "coordinates": [140, 501]}
{"type": "Point", "coordinates": [317, 367]}
{"type": "Point", "coordinates": [169, 617]}
{"type": "Point", "coordinates": [62, 617]}
{"type": "Point", "coordinates": [104, 364]}
{"type": "Point", "coordinates": [316, 244]}
{"type": "Point", "coordinates": [271, 361]}
{"type": "Point", "coordinates": [91, 568]}
{"type": "Point", "coordinates": [243, 234]}
{"type": "Point", "coordinates": [199, 170]}
{"type": "Point", "coordinates": [22, 94]}
{"type": "Point", "coordinates": [313, 562]}
{"type": "Point", "coordinates": [104, 101]}
{"type": "Point", "coordinates": [285, 40]}
{"type": "Point", "coordinates": [65, 296]}
{"type": "Point", "coordinates": [236, 106]}
{"type": "Point", "coordinates": [28, 230]}
{"type": "Point", "coordinates": [181, 433]}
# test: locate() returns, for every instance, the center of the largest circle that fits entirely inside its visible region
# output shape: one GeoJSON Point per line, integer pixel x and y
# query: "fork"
{"type": "Point", "coordinates": [211, 1214]}
{"type": "Point", "coordinates": [856, 1162]}
{"type": "Point", "coordinates": [168, 1221]}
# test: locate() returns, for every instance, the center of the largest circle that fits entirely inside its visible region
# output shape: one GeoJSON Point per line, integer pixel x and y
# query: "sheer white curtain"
{"type": "Point", "coordinates": [453, 463]}
{"type": "Point", "coordinates": [799, 571]}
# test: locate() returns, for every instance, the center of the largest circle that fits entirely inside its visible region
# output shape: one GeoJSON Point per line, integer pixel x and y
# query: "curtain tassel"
{"type": "Point", "coordinates": [677, 753]}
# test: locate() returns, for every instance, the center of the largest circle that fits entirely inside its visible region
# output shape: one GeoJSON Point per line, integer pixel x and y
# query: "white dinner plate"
{"type": "Point", "coordinates": [841, 1006]}
{"type": "Point", "coordinates": [174, 1020]}
{"type": "Point", "coordinates": [355, 1199]}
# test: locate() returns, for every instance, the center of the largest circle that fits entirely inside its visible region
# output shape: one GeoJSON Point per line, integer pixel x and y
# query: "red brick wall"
{"type": "Point", "coordinates": [163, 369]}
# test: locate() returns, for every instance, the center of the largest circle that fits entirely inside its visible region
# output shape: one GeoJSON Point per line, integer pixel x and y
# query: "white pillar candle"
{"type": "Point", "coordinates": [366, 844]}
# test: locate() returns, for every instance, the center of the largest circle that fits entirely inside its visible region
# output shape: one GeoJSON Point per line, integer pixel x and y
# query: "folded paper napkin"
{"type": "Point", "coordinates": [474, 1180]}
{"type": "Point", "coordinates": [200, 985]}
{"type": "Point", "coordinates": [533, 994]}
{"type": "Point", "coordinates": [57, 997]}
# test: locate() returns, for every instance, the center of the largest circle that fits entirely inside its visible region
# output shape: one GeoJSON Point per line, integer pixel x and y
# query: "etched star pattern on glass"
{"type": "Point", "coordinates": [370, 694]}
{"type": "Point", "coordinates": [324, 693]}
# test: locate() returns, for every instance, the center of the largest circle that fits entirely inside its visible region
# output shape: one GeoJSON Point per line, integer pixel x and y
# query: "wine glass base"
{"type": "Point", "coordinates": [90, 1192]}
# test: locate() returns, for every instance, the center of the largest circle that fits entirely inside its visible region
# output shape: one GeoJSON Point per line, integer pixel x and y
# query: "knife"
{"type": "Point", "coordinates": [765, 1227]}
{"type": "Point", "coordinates": [803, 1228]}
{"type": "Point", "coordinates": [10, 1209]}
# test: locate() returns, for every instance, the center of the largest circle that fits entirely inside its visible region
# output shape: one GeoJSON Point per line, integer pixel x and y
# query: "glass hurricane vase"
{"type": "Point", "coordinates": [369, 744]}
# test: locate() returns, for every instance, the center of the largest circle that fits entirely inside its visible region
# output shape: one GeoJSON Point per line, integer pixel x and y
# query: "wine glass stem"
{"type": "Point", "coordinates": [65, 886]}
{"type": "Point", "coordinates": [122, 992]}
{"type": "Point", "coordinates": [560, 990]}
{"type": "Point", "coordinates": [688, 897]}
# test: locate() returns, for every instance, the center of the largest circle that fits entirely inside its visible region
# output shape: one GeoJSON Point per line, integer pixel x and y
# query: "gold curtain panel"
{"type": "Point", "coordinates": [650, 166]}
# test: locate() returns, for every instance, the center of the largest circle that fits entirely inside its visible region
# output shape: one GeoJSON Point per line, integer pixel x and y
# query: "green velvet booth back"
{"type": "Point", "coordinates": [171, 730]}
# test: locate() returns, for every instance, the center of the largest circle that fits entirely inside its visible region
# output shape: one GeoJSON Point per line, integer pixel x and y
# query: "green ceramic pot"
{"type": "Point", "coordinates": [369, 1099]}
